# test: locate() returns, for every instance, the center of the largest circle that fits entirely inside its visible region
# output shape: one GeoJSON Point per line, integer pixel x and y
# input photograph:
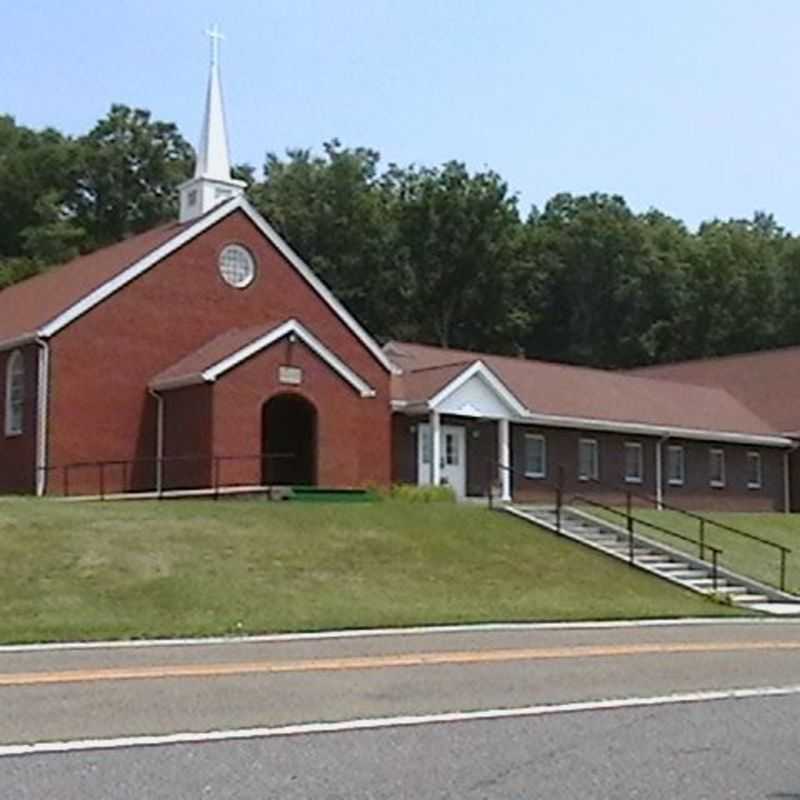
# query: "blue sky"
{"type": "Point", "coordinates": [690, 107]}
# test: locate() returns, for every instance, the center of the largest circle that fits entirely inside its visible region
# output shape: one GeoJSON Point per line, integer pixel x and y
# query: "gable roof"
{"type": "Point", "coordinates": [223, 353]}
{"type": "Point", "coordinates": [768, 381]}
{"type": "Point", "coordinates": [564, 394]}
{"type": "Point", "coordinates": [28, 306]}
{"type": "Point", "coordinates": [43, 305]}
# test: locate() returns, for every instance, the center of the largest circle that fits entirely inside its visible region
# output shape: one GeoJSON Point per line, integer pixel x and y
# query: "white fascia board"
{"type": "Point", "coordinates": [18, 341]}
{"type": "Point", "coordinates": [319, 287]}
{"type": "Point", "coordinates": [136, 269]}
{"type": "Point", "coordinates": [291, 326]}
{"type": "Point", "coordinates": [494, 383]}
{"type": "Point", "coordinates": [645, 429]}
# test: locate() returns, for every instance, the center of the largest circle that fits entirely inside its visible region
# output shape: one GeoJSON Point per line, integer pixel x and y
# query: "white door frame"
{"type": "Point", "coordinates": [456, 473]}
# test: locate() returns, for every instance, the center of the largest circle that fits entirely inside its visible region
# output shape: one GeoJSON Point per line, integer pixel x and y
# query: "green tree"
{"type": "Point", "coordinates": [456, 237]}
{"type": "Point", "coordinates": [129, 169]}
{"type": "Point", "coordinates": [37, 171]}
{"type": "Point", "coordinates": [334, 213]}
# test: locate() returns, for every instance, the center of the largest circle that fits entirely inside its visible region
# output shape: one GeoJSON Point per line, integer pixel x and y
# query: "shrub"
{"type": "Point", "coordinates": [410, 493]}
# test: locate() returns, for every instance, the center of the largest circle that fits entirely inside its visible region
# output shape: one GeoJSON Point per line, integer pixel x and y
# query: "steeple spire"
{"type": "Point", "coordinates": [212, 182]}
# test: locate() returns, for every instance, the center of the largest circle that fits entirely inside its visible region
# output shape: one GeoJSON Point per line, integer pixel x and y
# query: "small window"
{"type": "Point", "coordinates": [754, 470]}
{"type": "Point", "coordinates": [588, 463]}
{"type": "Point", "coordinates": [535, 456]}
{"type": "Point", "coordinates": [237, 266]}
{"type": "Point", "coordinates": [717, 468]}
{"type": "Point", "coordinates": [451, 456]}
{"type": "Point", "coordinates": [426, 443]}
{"type": "Point", "coordinates": [15, 394]}
{"type": "Point", "coordinates": [676, 467]}
{"type": "Point", "coordinates": [634, 466]}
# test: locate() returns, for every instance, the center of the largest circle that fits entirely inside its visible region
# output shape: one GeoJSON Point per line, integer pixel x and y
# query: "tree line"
{"type": "Point", "coordinates": [431, 254]}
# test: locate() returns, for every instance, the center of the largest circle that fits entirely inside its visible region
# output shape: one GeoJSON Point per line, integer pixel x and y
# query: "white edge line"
{"type": "Point", "coordinates": [421, 630]}
{"type": "Point", "coordinates": [376, 723]}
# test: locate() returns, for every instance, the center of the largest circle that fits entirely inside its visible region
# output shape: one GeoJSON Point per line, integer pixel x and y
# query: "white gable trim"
{"type": "Point", "coordinates": [290, 327]}
{"type": "Point", "coordinates": [495, 384]}
{"type": "Point", "coordinates": [319, 287]}
{"type": "Point", "coordinates": [203, 224]}
{"type": "Point", "coordinates": [134, 271]}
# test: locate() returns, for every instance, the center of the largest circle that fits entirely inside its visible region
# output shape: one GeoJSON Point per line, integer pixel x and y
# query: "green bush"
{"type": "Point", "coordinates": [410, 493]}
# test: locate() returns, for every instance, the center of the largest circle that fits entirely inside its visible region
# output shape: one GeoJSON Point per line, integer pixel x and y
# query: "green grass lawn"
{"type": "Point", "coordinates": [144, 569]}
{"type": "Point", "coordinates": [740, 554]}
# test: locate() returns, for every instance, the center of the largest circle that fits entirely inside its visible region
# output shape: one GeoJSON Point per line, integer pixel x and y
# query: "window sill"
{"type": "Point", "coordinates": [674, 483]}
{"type": "Point", "coordinates": [633, 480]}
{"type": "Point", "coordinates": [535, 475]}
{"type": "Point", "coordinates": [717, 485]}
{"type": "Point", "coordinates": [13, 434]}
{"type": "Point", "coordinates": [754, 486]}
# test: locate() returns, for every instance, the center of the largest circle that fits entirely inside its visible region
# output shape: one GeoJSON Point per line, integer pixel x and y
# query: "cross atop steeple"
{"type": "Point", "coordinates": [212, 182]}
{"type": "Point", "coordinates": [215, 37]}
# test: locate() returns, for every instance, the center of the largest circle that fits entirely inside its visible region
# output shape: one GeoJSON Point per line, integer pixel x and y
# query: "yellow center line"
{"type": "Point", "coordinates": [381, 662]}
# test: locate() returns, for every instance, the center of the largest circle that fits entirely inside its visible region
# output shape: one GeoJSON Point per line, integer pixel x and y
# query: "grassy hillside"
{"type": "Point", "coordinates": [103, 570]}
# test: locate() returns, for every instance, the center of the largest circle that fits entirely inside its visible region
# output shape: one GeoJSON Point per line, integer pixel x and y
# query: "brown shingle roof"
{"type": "Point", "coordinates": [579, 392]}
{"type": "Point", "coordinates": [191, 367]}
{"type": "Point", "coordinates": [27, 306]}
{"type": "Point", "coordinates": [767, 381]}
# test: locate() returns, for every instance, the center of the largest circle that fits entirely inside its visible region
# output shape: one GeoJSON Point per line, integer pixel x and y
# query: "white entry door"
{"type": "Point", "coordinates": [453, 457]}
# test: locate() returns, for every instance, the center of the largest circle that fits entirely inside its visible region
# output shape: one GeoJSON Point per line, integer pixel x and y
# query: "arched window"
{"type": "Point", "coordinates": [15, 393]}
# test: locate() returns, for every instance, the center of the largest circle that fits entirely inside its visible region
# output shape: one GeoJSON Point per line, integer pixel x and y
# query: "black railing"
{"type": "Point", "coordinates": [704, 522]}
{"type": "Point", "coordinates": [150, 475]}
{"type": "Point", "coordinates": [631, 521]}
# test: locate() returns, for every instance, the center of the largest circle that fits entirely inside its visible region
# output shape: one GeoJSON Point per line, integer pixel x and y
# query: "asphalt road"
{"type": "Point", "coordinates": [730, 748]}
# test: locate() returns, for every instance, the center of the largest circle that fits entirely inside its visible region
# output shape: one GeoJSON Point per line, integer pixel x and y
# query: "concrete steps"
{"type": "Point", "coordinates": [661, 560]}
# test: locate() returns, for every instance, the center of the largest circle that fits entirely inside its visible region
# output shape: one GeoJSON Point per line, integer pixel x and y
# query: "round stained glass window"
{"type": "Point", "coordinates": [237, 266]}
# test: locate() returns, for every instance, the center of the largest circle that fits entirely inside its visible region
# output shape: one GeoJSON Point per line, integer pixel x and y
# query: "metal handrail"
{"type": "Point", "coordinates": [212, 460]}
{"type": "Point", "coordinates": [495, 466]}
{"type": "Point", "coordinates": [716, 552]}
{"type": "Point", "coordinates": [704, 521]}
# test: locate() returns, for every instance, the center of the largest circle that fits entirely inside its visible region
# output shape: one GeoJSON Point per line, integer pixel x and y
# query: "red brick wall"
{"type": "Point", "coordinates": [562, 450]}
{"type": "Point", "coordinates": [18, 453]}
{"type": "Point", "coordinates": [188, 437]}
{"type": "Point", "coordinates": [696, 493]}
{"type": "Point", "coordinates": [353, 436]}
{"type": "Point", "coordinates": [102, 363]}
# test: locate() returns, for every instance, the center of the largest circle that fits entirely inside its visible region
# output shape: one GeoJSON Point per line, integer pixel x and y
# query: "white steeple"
{"type": "Point", "coordinates": [212, 183]}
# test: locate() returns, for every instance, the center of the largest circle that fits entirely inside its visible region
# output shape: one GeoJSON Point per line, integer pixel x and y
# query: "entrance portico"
{"type": "Point", "coordinates": [475, 394]}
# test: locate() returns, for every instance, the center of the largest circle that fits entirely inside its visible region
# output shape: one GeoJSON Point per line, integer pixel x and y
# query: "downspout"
{"type": "Point", "coordinates": [659, 473]}
{"type": "Point", "coordinates": [159, 440]}
{"type": "Point", "coordinates": [787, 488]}
{"type": "Point", "coordinates": [42, 411]}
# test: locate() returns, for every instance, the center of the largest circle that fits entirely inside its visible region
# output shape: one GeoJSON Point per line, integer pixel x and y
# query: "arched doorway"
{"type": "Point", "coordinates": [289, 441]}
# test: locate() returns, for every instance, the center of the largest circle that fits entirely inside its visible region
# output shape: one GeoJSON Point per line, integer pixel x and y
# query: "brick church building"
{"type": "Point", "coordinates": [205, 352]}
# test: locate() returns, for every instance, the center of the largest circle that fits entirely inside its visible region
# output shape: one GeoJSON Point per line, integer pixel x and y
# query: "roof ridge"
{"type": "Point", "coordinates": [711, 359]}
{"type": "Point", "coordinates": [432, 367]}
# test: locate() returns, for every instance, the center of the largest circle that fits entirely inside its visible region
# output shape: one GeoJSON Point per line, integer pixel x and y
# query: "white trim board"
{"type": "Point", "coordinates": [202, 224]}
{"type": "Point", "coordinates": [290, 327]}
